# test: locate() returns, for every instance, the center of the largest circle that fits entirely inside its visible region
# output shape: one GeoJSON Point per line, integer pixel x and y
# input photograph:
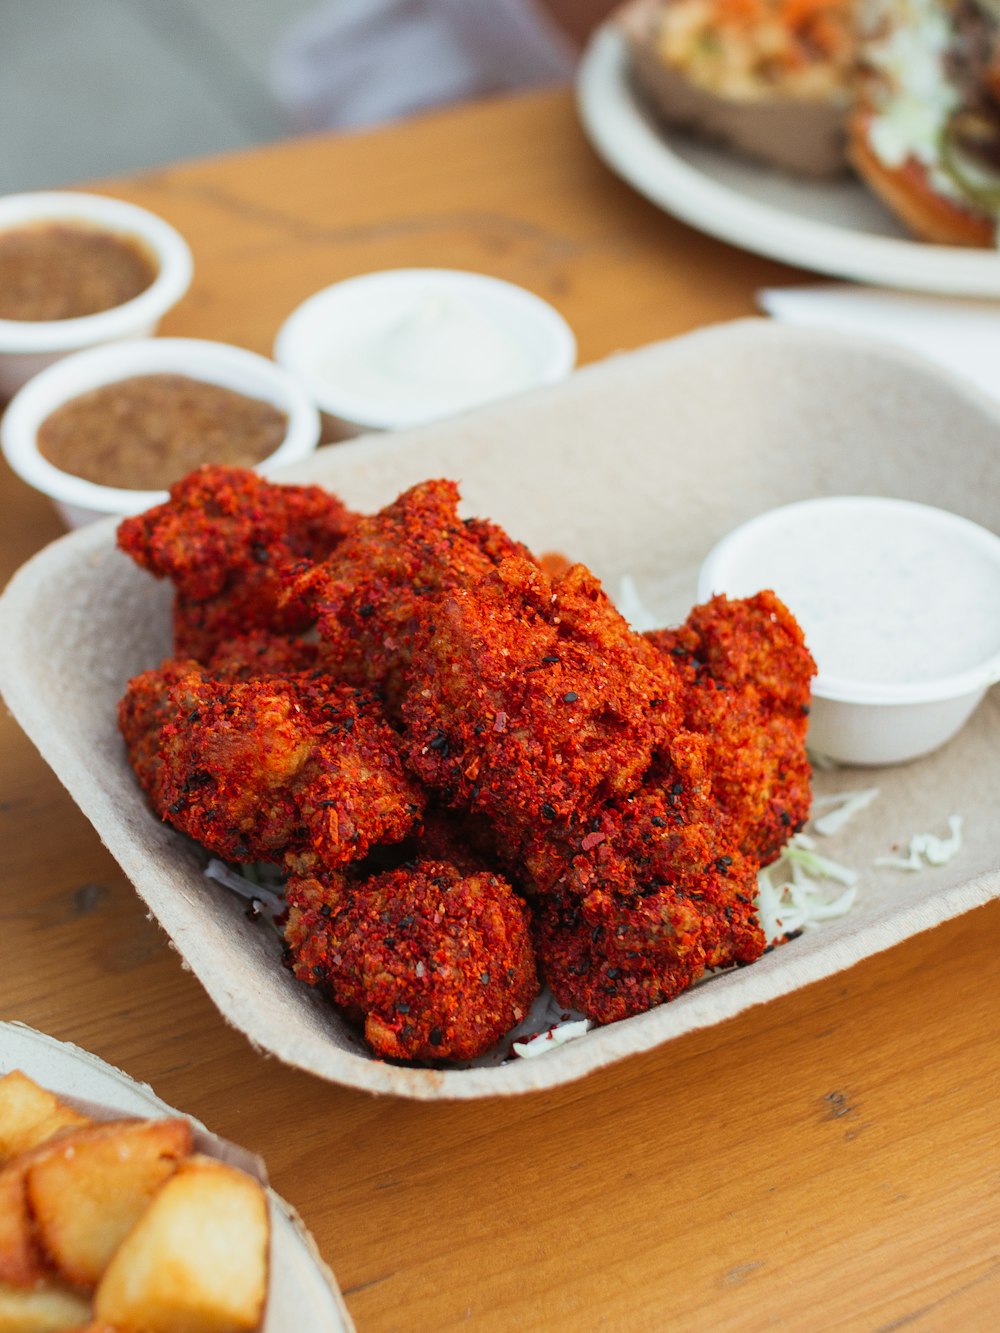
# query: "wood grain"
{"type": "Point", "coordinates": [828, 1161]}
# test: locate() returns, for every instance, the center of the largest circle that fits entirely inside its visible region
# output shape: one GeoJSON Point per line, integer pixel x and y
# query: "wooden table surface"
{"type": "Point", "coordinates": [827, 1161]}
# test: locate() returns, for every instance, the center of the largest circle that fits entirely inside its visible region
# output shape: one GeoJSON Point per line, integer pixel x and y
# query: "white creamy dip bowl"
{"type": "Point", "coordinates": [900, 605]}
{"type": "Point", "coordinates": [79, 501]}
{"type": "Point", "coordinates": [402, 347]}
{"type": "Point", "coordinates": [28, 346]}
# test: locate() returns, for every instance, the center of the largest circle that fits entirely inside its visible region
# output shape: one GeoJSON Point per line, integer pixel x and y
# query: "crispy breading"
{"type": "Point", "coordinates": [435, 961]}
{"type": "Point", "coordinates": [635, 908]}
{"type": "Point", "coordinates": [747, 674]}
{"type": "Point", "coordinates": [252, 768]}
{"type": "Point", "coordinates": [223, 539]}
{"type": "Point", "coordinates": [368, 594]}
{"type": "Point", "coordinates": [531, 701]}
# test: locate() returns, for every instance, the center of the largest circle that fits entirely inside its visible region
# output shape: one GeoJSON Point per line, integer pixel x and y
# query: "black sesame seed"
{"type": "Point", "coordinates": [366, 610]}
{"type": "Point", "coordinates": [548, 811]}
{"type": "Point", "coordinates": [659, 821]}
{"type": "Point", "coordinates": [570, 697]}
{"type": "Point", "coordinates": [436, 1037]}
{"type": "Point", "coordinates": [550, 658]}
{"type": "Point", "coordinates": [402, 1008]}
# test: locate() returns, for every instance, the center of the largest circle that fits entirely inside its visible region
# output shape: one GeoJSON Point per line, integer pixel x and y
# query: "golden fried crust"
{"type": "Point", "coordinates": [251, 768]}
{"type": "Point", "coordinates": [435, 962]}
{"type": "Point", "coordinates": [368, 594]}
{"type": "Point", "coordinates": [532, 701]}
{"type": "Point", "coordinates": [223, 538]}
{"type": "Point", "coordinates": [747, 675]}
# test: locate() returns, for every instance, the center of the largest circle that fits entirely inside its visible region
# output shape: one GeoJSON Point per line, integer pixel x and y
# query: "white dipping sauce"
{"type": "Point", "coordinates": [401, 347]}
{"type": "Point", "coordinates": [887, 592]}
{"type": "Point", "coordinates": [431, 352]}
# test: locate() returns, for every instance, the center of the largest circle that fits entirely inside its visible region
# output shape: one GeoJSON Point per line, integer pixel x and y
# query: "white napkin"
{"type": "Point", "coordinates": [963, 335]}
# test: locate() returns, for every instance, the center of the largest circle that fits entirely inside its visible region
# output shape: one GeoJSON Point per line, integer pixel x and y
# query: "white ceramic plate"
{"type": "Point", "coordinates": [833, 227]}
{"type": "Point", "coordinates": [302, 1293]}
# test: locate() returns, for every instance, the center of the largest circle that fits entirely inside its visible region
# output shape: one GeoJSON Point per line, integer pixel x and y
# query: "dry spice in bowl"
{"type": "Point", "coordinates": [108, 430]}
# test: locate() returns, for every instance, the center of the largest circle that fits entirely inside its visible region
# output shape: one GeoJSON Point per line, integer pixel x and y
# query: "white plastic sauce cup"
{"type": "Point", "coordinates": [900, 605]}
{"type": "Point", "coordinates": [28, 346]}
{"type": "Point", "coordinates": [80, 501]}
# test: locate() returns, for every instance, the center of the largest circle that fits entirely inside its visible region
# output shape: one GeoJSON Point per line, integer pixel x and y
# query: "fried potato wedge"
{"type": "Point", "coordinates": [30, 1114]}
{"type": "Point", "coordinates": [87, 1192]}
{"type": "Point", "coordinates": [196, 1261]}
{"type": "Point", "coordinates": [44, 1309]}
{"type": "Point", "coordinates": [22, 1263]}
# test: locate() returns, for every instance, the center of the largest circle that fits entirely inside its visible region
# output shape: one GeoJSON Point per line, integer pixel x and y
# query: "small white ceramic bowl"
{"type": "Point", "coordinates": [900, 605]}
{"type": "Point", "coordinates": [80, 501]}
{"type": "Point", "coordinates": [28, 346]}
{"type": "Point", "coordinates": [402, 347]}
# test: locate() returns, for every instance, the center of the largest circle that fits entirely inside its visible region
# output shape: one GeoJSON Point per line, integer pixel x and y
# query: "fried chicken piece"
{"type": "Point", "coordinates": [436, 962]}
{"type": "Point", "coordinates": [367, 595]}
{"type": "Point", "coordinates": [223, 539]}
{"type": "Point", "coordinates": [747, 675]}
{"type": "Point", "coordinates": [653, 895]}
{"type": "Point", "coordinates": [251, 768]}
{"type": "Point", "coordinates": [258, 654]}
{"type": "Point", "coordinates": [532, 701]}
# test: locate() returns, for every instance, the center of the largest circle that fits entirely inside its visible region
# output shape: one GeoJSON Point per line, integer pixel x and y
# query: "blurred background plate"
{"type": "Point", "coordinates": [833, 227]}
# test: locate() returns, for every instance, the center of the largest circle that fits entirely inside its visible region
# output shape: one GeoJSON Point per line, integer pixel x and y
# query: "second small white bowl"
{"type": "Point", "coordinates": [80, 501]}
{"type": "Point", "coordinates": [402, 347]}
{"type": "Point", "coordinates": [899, 603]}
{"type": "Point", "coordinates": [28, 346]}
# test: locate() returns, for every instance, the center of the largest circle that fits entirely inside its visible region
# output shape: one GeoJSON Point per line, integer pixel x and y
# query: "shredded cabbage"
{"type": "Point", "coordinates": [847, 804]}
{"type": "Point", "coordinates": [554, 1036]}
{"type": "Point", "coordinates": [245, 884]}
{"type": "Point", "coordinates": [801, 901]}
{"type": "Point", "coordinates": [927, 850]}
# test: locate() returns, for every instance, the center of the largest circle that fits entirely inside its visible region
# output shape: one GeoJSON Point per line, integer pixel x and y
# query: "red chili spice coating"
{"type": "Point", "coordinates": [436, 962]}
{"type": "Point", "coordinates": [224, 538]}
{"type": "Point", "coordinates": [368, 594]}
{"type": "Point", "coordinates": [628, 785]}
{"type": "Point", "coordinates": [633, 919]}
{"type": "Point", "coordinates": [747, 675]}
{"type": "Point", "coordinates": [253, 768]}
{"type": "Point", "coordinates": [510, 647]}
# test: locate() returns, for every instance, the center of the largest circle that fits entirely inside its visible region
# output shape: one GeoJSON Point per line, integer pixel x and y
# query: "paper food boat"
{"type": "Point", "coordinates": [637, 467]}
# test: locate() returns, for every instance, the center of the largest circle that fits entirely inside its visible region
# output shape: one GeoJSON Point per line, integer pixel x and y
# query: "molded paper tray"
{"type": "Point", "coordinates": [635, 466]}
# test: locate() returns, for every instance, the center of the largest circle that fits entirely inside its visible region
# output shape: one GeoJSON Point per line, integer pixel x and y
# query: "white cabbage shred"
{"type": "Point", "coordinates": [926, 849]}
{"type": "Point", "coordinates": [552, 1037]}
{"type": "Point", "coordinates": [792, 895]}
{"type": "Point", "coordinates": [846, 805]}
